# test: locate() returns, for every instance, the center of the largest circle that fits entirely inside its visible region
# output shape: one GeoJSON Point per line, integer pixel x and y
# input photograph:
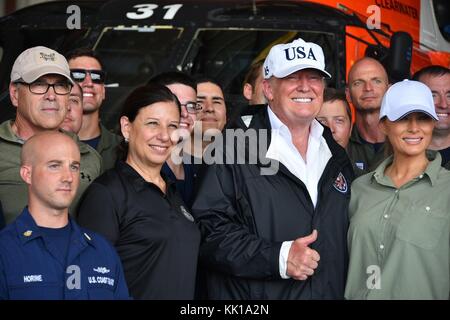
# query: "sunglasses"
{"type": "Point", "coordinates": [97, 76]}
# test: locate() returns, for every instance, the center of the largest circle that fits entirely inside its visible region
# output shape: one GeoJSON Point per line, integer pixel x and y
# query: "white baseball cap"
{"type": "Point", "coordinates": [284, 59]}
{"type": "Point", "coordinates": [405, 97]}
{"type": "Point", "coordinates": [38, 61]}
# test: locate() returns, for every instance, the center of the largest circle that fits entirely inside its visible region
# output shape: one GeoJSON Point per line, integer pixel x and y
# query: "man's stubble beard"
{"type": "Point", "coordinates": [441, 133]}
{"type": "Point", "coordinates": [87, 111]}
{"type": "Point", "coordinates": [370, 110]}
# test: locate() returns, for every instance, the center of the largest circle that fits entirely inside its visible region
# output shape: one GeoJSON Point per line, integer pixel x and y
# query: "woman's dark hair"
{"type": "Point", "coordinates": [142, 97]}
{"type": "Point", "coordinates": [388, 149]}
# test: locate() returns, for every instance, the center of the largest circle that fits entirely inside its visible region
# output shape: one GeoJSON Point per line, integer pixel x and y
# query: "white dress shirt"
{"type": "Point", "coordinates": [309, 171]}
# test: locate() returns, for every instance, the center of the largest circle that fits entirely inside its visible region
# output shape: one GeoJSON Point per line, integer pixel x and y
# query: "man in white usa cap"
{"type": "Point", "coordinates": [39, 90]}
{"type": "Point", "coordinates": [280, 236]}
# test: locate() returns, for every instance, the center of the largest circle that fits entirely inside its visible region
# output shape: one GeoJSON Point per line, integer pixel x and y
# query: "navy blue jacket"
{"type": "Point", "coordinates": [31, 269]}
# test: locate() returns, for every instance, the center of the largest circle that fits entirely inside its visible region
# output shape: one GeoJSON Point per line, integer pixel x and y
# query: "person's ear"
{"type": "Point", "coordinates": [125, 127]}
{"type": "Point", "coordinates": [347, 95]}
{"type": "Point", "coordinates": [267, 89]}
{"type": "Point", "coordinates": [103, 93]}
{"type": "Point", "coordinates": [25, 173]}
{"type": "Point", "coordinates": [247, 91]}
{"type": "Point", "coordinates": [14, 94]}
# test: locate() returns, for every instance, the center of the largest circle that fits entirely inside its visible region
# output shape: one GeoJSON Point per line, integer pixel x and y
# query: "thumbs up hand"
{"type": "Point", "coordinates": [302, 260]}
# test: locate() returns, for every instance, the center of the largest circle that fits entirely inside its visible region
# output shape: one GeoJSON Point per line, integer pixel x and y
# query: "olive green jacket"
{"type": "Point", "coordinates": [362, 155]}
{"type": "Point", "coordinates": [107, 147]}
{"type": "Point", "coordinates": [13, 190]}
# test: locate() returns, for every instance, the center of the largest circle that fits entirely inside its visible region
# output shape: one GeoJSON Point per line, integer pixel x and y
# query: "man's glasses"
{"type": "Point", "coordinates": [97, 76]}
{"type": "Point", "coordinates": [38, 87]}
{"type": "Point", "coordinates": [192, 107]}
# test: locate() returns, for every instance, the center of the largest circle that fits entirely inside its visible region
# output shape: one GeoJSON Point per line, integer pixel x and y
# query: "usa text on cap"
{"type": "Point", "coordinates": [285, 59]}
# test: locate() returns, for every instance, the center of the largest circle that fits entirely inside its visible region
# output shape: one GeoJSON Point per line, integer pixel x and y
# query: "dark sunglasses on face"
{"type": "Point", "coordinates": [97, 76]}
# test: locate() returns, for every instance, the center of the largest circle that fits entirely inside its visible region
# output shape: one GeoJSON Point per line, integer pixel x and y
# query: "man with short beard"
{"type": "Point", "coordinates": [367, 83]}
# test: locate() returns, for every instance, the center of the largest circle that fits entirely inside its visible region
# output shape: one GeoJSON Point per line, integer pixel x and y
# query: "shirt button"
{"type": "Point", "coordinates": [386, 216]}
{"type": "Point", "coordinates": [421, 176]}
{"type": "Point", "coordinates": [427, 208]}
{"type": "Point", "coordinates": [396, 191]}
{"type": "Point", "coordinates": [381, 246]}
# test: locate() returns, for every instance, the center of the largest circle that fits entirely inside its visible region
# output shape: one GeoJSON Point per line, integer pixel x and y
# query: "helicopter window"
{"type": "Point", "coordinates": [132, 55]}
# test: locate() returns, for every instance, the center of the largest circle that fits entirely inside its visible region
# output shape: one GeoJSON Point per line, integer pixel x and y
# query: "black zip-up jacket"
{"type": "Point", "coordinates": [244, 217]}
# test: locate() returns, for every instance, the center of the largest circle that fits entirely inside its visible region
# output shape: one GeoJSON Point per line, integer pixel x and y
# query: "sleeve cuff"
{"type": "Point", "coordinates": [284, 253]}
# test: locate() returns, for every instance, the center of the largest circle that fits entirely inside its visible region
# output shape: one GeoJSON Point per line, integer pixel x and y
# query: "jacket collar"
{"type": "Point", "coordinates": [8, 134]}
{"type": "Point", "coordinates": [107, 139]}
{"type": "Point", "coordinates": [261, 121]}
{"type": "Point", "coordinates": [355, 136]}
{"type": "Point", "coordinates": [28, 230]}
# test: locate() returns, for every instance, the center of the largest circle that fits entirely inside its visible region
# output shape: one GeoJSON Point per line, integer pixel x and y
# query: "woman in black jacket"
{"type": "Point", "coordinates": [139, 210]}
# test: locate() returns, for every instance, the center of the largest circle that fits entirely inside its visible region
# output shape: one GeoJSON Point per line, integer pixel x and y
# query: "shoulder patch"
{"type": "Point", "coordinates": [340, 184]}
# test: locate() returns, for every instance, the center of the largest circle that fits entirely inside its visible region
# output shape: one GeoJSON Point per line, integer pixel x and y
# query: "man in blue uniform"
{"type": "Point", "coordinates": [44, 254]}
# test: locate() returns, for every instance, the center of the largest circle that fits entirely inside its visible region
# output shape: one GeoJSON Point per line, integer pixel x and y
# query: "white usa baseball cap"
{"type": "Point", "coordinates": [405, 97]}
{"type": "Point", "coordinates": [285, 59]}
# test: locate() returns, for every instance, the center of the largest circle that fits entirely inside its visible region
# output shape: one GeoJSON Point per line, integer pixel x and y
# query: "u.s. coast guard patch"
{"type": "Point", "coordinates": [340, 184]}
